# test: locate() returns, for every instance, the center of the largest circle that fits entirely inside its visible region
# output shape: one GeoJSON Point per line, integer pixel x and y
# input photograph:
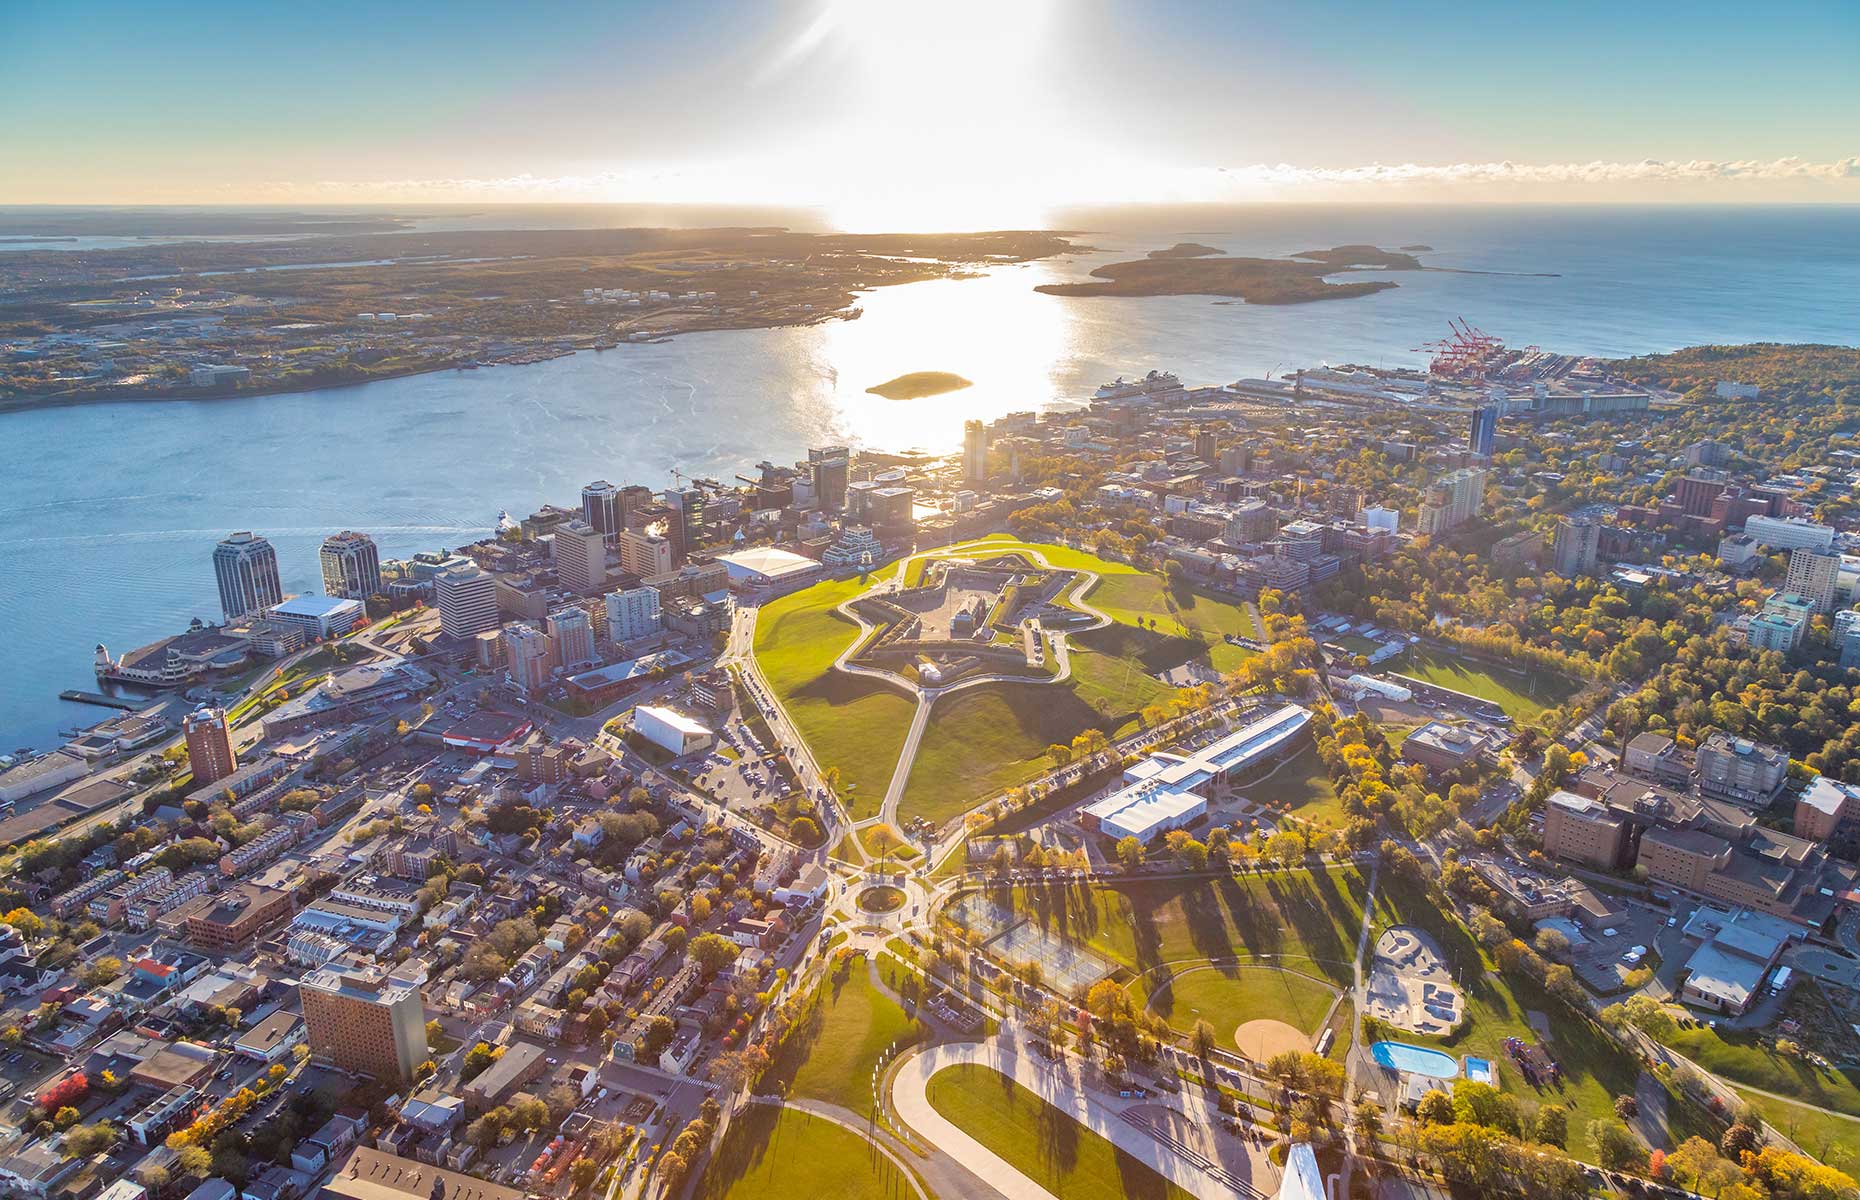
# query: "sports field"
{"type": "Point", "coordinates": [1228, 997]}
{"type": "Point", "coordinates": [852, 723]}
{"type": "Point", "coordinates": [1305, 919]}
{"type": "Point", "coordinates": [1523, 692]}
{"type": "Point", "coordinates": [1041, 1142]}
{"type": "Point", "coordinates": [772, 1151]}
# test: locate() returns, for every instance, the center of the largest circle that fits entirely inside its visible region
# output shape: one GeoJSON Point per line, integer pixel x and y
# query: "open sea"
{"type": "Point", "coordinates": [109, 513]}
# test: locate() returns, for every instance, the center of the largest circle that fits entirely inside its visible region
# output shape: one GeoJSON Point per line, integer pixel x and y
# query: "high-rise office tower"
{"type": "Point", "coordinates": [247, 570]}
{"type": "Point", "coordinates": [580, 557]}
{"type": "Point", "coordinates": [1204, 445]}
{"type": "Point", "coordinates": [635, 498]}
{"type": "Point", "coordinates": [526, 657]}
{"type": "Point", "coordinates": [365, 1021]}
{"type": "Point", "coordinates": [600, 508]}
{"type": "Point", "coordinates": [687, 526]}
{"type": "Point", "coordinates": [351, 565]}
{"type": "Point", "coordinates": [830, 465]}
{"type": "Point", "coordinates": [1813, 576]}
{"type": "Point", "coordinates": [210, 756]}
{"type": "Point", "coordinates": [632, 613]}
{"type": "Point", "coordinates": [1578, 542]}
{"type": "Point", "coordinates": [1697, 490]}
{"type": "Point", "coordinates": [1452, 500]}
{"type": "Point", "coordinates": [1484, 427]}
{"type": "Point", "coordinates": [974, 453]}
{"type": "Point", "coordinates": [467, 600]}
{"type": "Point", "coordinates": [572, 631]}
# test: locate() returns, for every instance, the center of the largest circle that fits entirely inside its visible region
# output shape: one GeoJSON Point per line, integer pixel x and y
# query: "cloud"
{"type": "Point", "coordinates": [798, 181]}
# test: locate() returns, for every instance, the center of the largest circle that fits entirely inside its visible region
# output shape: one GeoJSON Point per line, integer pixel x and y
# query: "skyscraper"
{"type": "Point", "coordinates": [1483, 429]}
{"type": "Point", "coordinates": [645, 554]}
{"type": "Point", "coordinates": [1813, 576]}
{"type": "Point", "coordinates": [688, 529]}
{"type": "Point", "coordinates": [467, 600]}
{"type": "Point", "coordinates": [351, 565]}
{"type": "Point", "coordinates": [1454, 499]}
{"type": "Point", "coordinates": [830, 466]}
{"type": "Point", "coordinates": [527, 655]}
{"type": "Point", "coordinates": [632, 613]}
{"type": "Point", "coordinates": [247, 570]}
{"type": "Point", "coordinates": [580, 557]}
{"type": "Point", "coordinates": [573, 634]}
{"type": "Point", "coordinates": [1578, 540]}
{"type": "Point", "coordinates": [1204, 445]}
{"type": "Point", "coordinates": [600, 508]}
{"type": "Point", "coordinates": [974, 453]}
{"type": "Point", "coordinates": [365, 1021]}
{"type": "Point", "coordinates": [210, 755]}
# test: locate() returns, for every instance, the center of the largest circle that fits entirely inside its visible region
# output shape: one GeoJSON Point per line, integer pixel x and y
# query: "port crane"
{"type": "Point", "coordinates": [1462, 355]}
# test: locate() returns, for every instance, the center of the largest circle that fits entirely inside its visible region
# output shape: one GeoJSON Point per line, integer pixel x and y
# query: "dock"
{"type": "Point", "coordinates": [98, 698]}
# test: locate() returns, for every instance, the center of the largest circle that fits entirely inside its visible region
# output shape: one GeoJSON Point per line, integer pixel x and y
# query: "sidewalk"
{"type": "Point", "coordinates": [1240, 1172]}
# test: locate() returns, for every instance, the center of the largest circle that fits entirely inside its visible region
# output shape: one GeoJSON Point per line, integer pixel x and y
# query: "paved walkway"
{"type": "Point", "coordinates": [1240, 1169]}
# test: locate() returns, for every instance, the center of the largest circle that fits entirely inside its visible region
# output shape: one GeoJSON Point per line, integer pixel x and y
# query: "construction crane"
{"type": "Point", "coordinates": [1464, 354]}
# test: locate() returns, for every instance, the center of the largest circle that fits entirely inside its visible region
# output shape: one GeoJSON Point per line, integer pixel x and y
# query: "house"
{"type": "Point", "coordinates": [37, 1170]}
{"type": "Point", "coordinates": [807, 888]}
{"type": "Point", "coordinates": [271, 1039]}
{"type": "Point", "coordinates": [329, 1142]}
{"type": "Point", "coordinates": [275, 1183]}
{"type": "Point", "coordinates": [681, 1051]}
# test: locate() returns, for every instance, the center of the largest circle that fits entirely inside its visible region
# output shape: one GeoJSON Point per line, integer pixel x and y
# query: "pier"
{"type": "Point", "coordinates": [98, 698]}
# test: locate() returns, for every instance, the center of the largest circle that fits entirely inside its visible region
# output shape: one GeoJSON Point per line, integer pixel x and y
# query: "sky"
{"type": "Point", "coordinates": [940, 114]}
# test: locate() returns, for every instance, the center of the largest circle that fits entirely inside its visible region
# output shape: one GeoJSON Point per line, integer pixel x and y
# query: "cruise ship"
{"type": "Point", "coordinates": [1151, 387]}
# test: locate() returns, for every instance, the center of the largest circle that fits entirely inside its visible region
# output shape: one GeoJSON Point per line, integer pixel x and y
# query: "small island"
{"type": "Point", "coordinates": [1296, 280]}
{"type": "Point", "coordinates": [1186, 250]}
{"type": "Point", "coordinates": [918, 384]}
{"type": "Point", "coordinates": [1419, 248]}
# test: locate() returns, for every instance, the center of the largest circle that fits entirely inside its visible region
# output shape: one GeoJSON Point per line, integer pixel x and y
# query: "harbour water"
{"type": "Point", "coordinates": [109, 513]}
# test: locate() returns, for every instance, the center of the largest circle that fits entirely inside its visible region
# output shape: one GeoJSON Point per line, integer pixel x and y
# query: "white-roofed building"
{"type": "Point", "coordinates": [1169, 791]}
{"type": "Point", "coordinates": [317, 616]}
{"type": "Point", "coordinates": [761, 566]}
{"type": "Point", "coordinates": [1303, 1180]}
{"type": "Point", "coordinates": [671, 731]}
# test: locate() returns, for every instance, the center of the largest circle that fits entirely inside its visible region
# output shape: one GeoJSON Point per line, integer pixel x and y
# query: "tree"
{"type": "Point", "coordinates": [805, 830]}
{"type": "Point", "coordinates": [83, 1141]}
{"type": "Point", "coordinates": [29, 924]}
{"type": "Point", "coordinates": [658, 1035]}
{"type": "Point", "coordinates": [1616, 1147]}
{"type": "Point", "coordinates": [1551, 1125]}
{"type": "Point", "coordinates": [1204, 1039]}
{"type": "Point", "coordinates": [192, 1161]}
{"type": "Point", "coordinates": [1369, 1119]}
{"type": "Point", "coordinates": [1740, 1139]}
{"type": "Point", "coordinates": [477, 1059]}
{"type": "Point", "coordinates": [712, 952]}
{"type": "Point", "coordinates": [1435, 1108]}
{"type": "Point", "coordinates": [1129, 851]}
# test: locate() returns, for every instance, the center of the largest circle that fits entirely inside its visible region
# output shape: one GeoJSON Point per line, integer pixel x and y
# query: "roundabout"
{"type": "Point", "coordinates": [880, 898]}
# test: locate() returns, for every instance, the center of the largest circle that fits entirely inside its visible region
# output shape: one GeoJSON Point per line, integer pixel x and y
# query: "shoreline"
{"type": "Point", "coordinates": [25, 404]}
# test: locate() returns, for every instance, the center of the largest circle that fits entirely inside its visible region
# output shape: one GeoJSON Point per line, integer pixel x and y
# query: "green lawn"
{"type": "Point", "coordinates": [849, 722]}
{"type": "Point", "coordinates": [1522, 692]}
{"type": "Point", "coordinates": [831, 1052]}
{"type": "Point", "coordinates": [984, 740]}
{"type": "Point", "coordinates": [1810, 1128]}
{"type": "Point", "coordinates": [1309, 919]}
{"type": "Point", "coordinates": [1299, 786]}
{"type": "Point", "coordinates": [1129, 594]}
{"type": "Point", "coordinates": [1743, 1058]}
{"type": "Point", "coordinates": [1596, 1070]}
{"type": "Point", "coordinates": [1228, 997]}
{"type": "Point", "coordinates": [1041, 1142]}
{"type": "Point", "coordinates": [772, 1151]}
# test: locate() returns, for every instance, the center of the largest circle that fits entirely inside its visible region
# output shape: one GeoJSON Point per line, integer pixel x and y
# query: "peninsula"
{"type": "Point", "coordinates": [193, 319]}
{"type": "Point", "coordinates": [916, 385]}
{"type": "Point", "coordinates": [1295, 280]}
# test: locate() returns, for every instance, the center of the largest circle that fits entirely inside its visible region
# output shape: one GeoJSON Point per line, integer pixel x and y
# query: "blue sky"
{"type": "Point", "coordinates": [869, 103]}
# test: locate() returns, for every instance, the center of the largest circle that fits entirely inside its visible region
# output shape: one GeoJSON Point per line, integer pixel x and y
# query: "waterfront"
{"type": "Point", "coordinates": [112, 510]}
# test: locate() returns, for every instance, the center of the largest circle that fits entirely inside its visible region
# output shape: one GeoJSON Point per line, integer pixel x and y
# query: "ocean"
{"type": "Point", "coordinates": [110, 512]}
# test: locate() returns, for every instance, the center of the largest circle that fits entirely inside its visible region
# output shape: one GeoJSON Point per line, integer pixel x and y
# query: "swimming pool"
{"type": "Point", "coordinates": [1416, 1060]}
{"type": "Point", "coordinates": [1479, 1070]}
